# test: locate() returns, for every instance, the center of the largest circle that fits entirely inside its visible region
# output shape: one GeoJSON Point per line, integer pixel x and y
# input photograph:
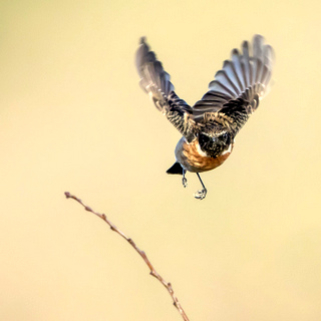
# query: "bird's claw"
{"type": "Point", "coordinates": [184, 181]}
{"type": "Point", "coordinates": [201, 194]}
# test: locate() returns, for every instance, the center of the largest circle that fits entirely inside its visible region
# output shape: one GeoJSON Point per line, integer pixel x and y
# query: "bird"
{"type": "Point", "coordinates": [209, 127]}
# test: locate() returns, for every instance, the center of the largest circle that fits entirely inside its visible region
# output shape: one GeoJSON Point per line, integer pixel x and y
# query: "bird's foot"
{"type": "Point", "coordinates": [184, 181]}
{"type": "Point", "coordinates": [201, 194]}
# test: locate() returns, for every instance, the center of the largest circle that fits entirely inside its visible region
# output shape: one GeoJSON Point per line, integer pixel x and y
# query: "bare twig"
{"type": "Point", "coordinates": [153, 272]}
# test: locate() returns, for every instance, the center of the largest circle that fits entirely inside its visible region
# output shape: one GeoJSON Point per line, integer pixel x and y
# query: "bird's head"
{"type": "Point", "coordinates": [215, 144]}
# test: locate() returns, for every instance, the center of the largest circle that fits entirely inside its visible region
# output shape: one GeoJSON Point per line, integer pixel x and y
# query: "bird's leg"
{"type": "Point", "coordinates": [184, 180]}
{"type": "Point", "coordinates": [202, 193]}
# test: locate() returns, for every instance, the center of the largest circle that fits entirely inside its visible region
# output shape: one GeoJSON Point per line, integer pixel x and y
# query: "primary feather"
{"type": "Point", "coordinates": [245, 76]}
{"type": "Point", "coordinates": [156, 82]}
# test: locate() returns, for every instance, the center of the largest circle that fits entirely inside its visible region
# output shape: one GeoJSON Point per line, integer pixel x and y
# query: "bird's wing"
{"type": "Point", "coordinates": [156, 82]}
{"type": "Point", "coordinates": [239, 85]}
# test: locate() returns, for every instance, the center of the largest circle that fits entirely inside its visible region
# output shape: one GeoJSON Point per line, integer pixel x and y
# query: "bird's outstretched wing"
{"type": "Point", "coordinates": [237, 88]}
{"type": "Point", "coordinates": [156, 82]}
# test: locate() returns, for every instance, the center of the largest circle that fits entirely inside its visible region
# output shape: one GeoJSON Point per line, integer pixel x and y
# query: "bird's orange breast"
{"type": "Point", "coordinates": [194, 159]}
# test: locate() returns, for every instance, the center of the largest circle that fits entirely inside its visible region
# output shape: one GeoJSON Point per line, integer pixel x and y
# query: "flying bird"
{"type": "Point", "coordinates": [209, 127]}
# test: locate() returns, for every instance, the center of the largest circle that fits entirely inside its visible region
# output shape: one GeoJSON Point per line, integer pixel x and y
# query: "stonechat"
{"type": "Point", "coordinates": [209, 127]}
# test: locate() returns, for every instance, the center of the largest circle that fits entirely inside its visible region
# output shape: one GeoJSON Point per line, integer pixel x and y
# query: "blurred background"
{"type": "Point", "coordinates": [73, 118]}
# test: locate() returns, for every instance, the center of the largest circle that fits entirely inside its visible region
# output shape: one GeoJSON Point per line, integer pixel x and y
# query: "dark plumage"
{"type": "Point", "coordinates": [175, 169]}
{"type": "Point", "coordinates": [209, 127]}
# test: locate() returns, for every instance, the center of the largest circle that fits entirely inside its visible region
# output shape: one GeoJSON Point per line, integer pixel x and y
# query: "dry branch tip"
{"type": "Point", "coordinates": [142, 254]}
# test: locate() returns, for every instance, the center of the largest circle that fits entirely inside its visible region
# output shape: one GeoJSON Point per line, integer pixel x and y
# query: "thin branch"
{"type": "Point", "coordinates": [153, 272]}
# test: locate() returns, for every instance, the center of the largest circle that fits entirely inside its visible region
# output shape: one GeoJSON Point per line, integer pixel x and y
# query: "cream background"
{"type": "Point", "coordinates": [73, 118]}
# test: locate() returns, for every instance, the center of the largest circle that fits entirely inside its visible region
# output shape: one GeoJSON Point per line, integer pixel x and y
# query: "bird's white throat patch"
{"type": "Point", "coordinates": [228, 150]}
{"type": "Point", "coordinates": [199, 150]}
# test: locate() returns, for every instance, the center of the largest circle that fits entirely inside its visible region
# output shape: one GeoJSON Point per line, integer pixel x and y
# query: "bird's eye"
{"type": "Point", "coordinates": [225, 137]}
{"type": "Point", "coordinates": [203, 139]}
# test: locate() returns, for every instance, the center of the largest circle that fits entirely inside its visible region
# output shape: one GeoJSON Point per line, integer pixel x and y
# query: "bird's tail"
{"type": "Point", "coordinates": [175, 169]}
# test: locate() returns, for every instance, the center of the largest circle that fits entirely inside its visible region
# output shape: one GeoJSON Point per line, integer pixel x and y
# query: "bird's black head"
{"type": "Point", "coordinates": [214, 145]}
